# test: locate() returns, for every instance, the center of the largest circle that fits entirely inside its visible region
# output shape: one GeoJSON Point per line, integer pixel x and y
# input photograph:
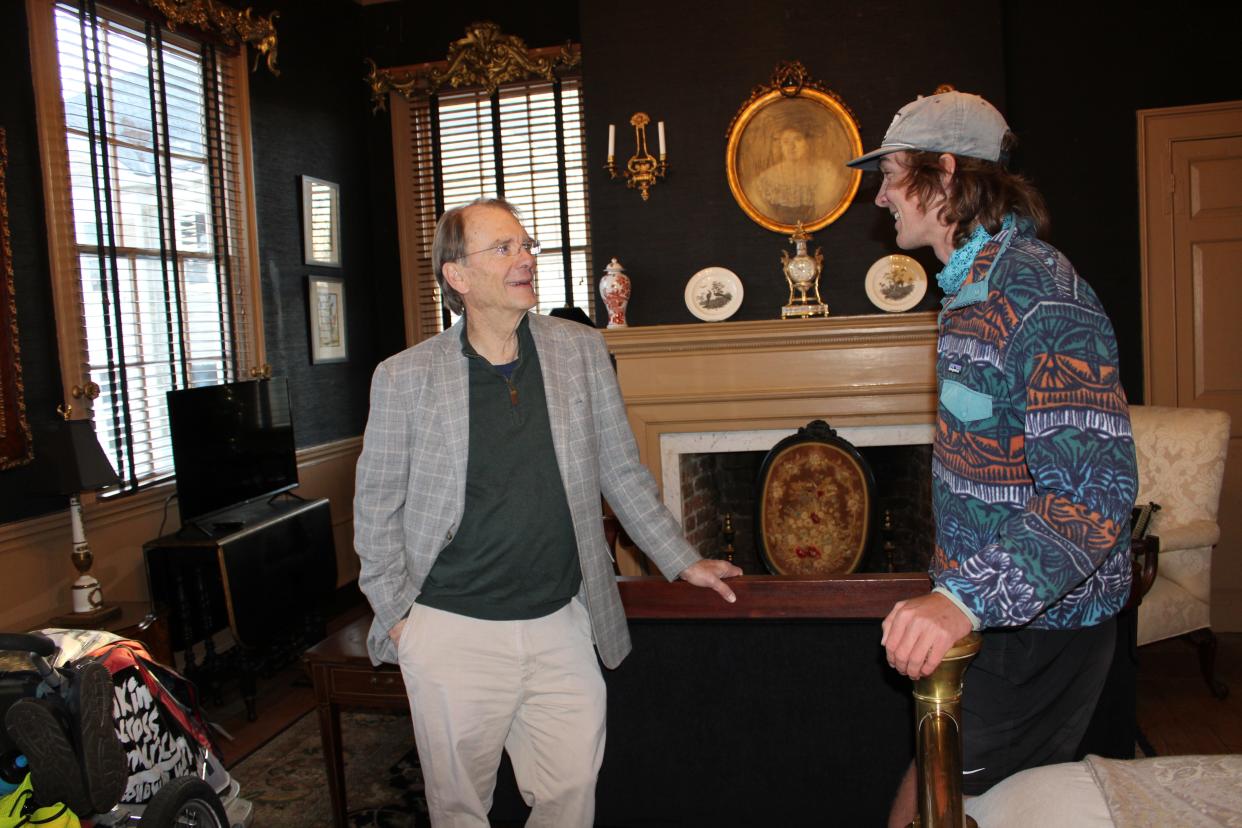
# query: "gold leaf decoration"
{"type": "Point", "coordinates": [232, 25]}
{"type": "Point", "coordinates": [486, 57]}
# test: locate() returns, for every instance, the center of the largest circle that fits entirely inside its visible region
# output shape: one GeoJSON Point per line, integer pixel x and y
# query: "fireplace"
{"type": "Point", "coordinates": [694, 391]}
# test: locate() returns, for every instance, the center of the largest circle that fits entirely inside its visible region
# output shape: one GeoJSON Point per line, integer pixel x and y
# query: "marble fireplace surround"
{"type": "Point", "coordinates": [742, 386]}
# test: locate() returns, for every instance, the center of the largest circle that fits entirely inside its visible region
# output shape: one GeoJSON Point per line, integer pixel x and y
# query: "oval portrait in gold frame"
{"type": "Point", "coordinates": [786, 158]}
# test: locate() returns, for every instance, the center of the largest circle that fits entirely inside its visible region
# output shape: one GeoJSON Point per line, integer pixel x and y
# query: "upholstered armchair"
{"type": "Point", "coordinates": [1181, 460]}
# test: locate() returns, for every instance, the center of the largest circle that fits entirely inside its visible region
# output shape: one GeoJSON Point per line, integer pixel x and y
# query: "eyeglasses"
{"type": "Point", "coordinates": [508, 249]}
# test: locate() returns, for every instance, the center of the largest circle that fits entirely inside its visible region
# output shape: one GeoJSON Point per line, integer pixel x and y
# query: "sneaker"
{"type": "Point", "coordinates": [55, 775]}
{"type": "Point", "coordinates": [102, 757]}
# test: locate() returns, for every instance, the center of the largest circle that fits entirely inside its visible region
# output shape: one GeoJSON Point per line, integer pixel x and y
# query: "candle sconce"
{"type": "Point", "coordinates": [643, 170]}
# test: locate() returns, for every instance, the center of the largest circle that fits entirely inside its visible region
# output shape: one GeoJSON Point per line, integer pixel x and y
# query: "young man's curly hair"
{"type": "Point", "coordinates": [980, 192]}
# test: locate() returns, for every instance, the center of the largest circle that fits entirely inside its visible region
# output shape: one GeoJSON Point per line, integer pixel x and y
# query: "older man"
{"type": "Point", "coordinates": [477, 520]}
{"type": "Point", "coordinates": [1033, 470]}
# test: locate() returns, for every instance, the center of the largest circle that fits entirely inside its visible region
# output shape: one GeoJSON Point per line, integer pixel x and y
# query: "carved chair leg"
{"type": "Point", "coordinates": [1205, 641]}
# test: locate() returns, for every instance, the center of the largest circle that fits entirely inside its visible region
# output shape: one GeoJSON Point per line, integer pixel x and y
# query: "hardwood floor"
{"type": "Point", "coordinates": [1177, 714]}
{"type": "Point", "coordinates": [282, 699]}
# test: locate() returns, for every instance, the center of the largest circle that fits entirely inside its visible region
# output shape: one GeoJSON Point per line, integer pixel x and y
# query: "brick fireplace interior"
{"type": "Point", "coordinates": [707, 401]}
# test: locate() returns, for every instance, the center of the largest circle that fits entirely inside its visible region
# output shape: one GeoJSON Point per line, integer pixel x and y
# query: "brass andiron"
{"type": "Point", "coordinates": [938, 739]}
{"type": "Point", "coordinates": [727, 531]}
{"type": "Point", "coordinates": [643, 170]}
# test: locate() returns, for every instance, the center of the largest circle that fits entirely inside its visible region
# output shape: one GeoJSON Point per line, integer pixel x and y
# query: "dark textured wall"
{"type": "Point", "coordinates": [695, 69]}
{"type": "Point", "coordinates": [312, 120]}
{"type": "Point", "coordinates": [1069, 90]}
{"type": "Point", "coordinates": [1074, 90]}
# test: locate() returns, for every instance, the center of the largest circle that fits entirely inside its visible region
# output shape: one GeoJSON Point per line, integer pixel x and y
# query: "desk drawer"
{"type": "Point", "coordinates": [363, 682]}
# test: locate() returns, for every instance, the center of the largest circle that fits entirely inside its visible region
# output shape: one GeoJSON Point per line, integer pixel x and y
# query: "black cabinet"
{"type": "Point", "coordinates": [265, 571]}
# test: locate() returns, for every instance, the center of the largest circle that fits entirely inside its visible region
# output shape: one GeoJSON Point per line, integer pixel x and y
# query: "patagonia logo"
{"type": "Point", "coordinates": [955, 368]}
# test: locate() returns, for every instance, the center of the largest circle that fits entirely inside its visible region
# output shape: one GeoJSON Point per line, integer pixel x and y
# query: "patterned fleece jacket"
{"type": "Point", "coordinates": [1033, 471]}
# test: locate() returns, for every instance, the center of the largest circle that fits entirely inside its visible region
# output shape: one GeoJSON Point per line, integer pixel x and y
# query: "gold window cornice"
{"type": "Point", "coordinates": [233, 26]}
{"type": "Point", "coordinates": [485, 58]}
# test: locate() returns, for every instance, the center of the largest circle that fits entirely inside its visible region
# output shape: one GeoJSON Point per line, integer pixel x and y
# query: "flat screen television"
{"type": "Point", "coordinates": [231, 443]}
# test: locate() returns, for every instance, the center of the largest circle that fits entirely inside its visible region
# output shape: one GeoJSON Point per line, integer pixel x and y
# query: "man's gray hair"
{"type": "Point", "coordinates": [450, 245]}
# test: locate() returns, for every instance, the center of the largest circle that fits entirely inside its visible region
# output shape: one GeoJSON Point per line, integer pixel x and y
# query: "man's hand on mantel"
{"type": "Point", "coordinates": [709, 573]}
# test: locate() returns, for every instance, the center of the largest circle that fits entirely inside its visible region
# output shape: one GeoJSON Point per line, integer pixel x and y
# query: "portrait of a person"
{"type": "Point", "coordinates": [790, 163]}
{"type": "Point", "coordinates": [797, 186]}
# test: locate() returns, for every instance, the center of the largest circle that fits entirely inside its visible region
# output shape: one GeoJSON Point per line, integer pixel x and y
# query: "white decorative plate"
{"type": "Point", "coordinates": [713, 294]}
{"type": "Point", "coordinates": [896, 283]}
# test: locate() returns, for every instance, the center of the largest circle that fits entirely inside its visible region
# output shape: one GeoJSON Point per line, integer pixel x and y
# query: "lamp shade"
{"type": "Point", "coordinates": [575, 313]}
{"type": "Point", "coordinates": [73, 460]}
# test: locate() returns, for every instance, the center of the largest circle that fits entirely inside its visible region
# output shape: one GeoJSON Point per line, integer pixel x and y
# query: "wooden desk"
{"type": "Point", "coordinates": [342, 675]}
{"type": "Point", "coordinates": [266, 575]}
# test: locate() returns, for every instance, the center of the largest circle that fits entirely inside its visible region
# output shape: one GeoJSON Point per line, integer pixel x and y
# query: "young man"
{"type": "Point", "coordinates": [477, 519]}
{"type": "Point", "coordinates": [1033, 469]}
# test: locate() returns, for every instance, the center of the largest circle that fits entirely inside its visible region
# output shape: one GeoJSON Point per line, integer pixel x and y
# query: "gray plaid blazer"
{"type": "Point", "coordinates": [411, 480]}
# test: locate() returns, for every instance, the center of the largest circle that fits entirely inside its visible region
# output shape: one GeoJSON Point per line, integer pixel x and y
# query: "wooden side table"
{"type": "Point", "coordinates": [137, 620]}
{"type": "Point", "coordinates": [342, 676]}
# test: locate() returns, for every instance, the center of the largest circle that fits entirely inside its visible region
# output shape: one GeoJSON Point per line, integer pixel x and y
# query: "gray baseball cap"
{"type": "Point", "coordinates": [955, 122]}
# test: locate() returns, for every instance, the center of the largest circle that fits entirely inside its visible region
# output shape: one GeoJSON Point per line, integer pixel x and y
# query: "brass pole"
{"type": "Point", "coordinates": [938, 739]}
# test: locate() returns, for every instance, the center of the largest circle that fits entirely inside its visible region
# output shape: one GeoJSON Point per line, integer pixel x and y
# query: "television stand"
{"type": "Point", "coordinates": [265, 572]}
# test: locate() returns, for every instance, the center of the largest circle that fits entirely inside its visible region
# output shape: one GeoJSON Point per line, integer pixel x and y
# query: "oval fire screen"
{"type": "Point", "coordinates": [815, 506]}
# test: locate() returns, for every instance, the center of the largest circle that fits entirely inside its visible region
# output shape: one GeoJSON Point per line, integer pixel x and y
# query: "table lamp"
{"type": "Point", "coordinates": [75, 463]}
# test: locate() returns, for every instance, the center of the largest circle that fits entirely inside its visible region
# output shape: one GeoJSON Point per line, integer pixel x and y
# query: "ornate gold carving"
{"type": "Point", "coordinates": [15, 437]}
{"type": "Point", "coordinates": [233, 25]}
{"type": "Point", "coordinates": [485, 57]}
{"type": "Point", "coordinates": [789, 78]}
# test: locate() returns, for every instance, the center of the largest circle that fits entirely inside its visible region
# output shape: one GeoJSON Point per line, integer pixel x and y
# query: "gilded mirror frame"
{"type": "Point", "coordinates": [786, 153]}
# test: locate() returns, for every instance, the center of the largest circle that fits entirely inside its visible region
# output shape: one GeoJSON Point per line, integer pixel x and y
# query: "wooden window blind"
{"type": "Point", "coordinates": [156, 246]}
{"type": "Point", "coordinates": [524, 143]}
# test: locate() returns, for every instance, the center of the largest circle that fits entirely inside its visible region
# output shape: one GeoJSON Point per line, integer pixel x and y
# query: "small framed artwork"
{"type": "Point", "coordinates": [326, 300]}
{"type": "Point", "coordinates": [321, 222]}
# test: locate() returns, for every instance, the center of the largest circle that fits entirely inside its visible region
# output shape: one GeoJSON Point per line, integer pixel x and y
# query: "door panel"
{"type": "Point", "coordinates": [1207, 244]}
{"type": "Point", "coordinates": [1190, 183]}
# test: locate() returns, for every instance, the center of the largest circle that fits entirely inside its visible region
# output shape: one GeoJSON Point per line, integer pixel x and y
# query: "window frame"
{"type": "Point", "coordinates": [414, 240]}
{"type": "Point", "coordinates": [246, 307]}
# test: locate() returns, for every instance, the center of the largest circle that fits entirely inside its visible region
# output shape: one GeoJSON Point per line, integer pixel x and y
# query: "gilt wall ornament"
{"type": "Point", "coordinates": [786, 153]}
{"type": "Point", "coordinates": [232, 25]}
{"type": "Point", "coordinates": [485, 58]}
{"type": "Point", "coordinates": [15, 439]}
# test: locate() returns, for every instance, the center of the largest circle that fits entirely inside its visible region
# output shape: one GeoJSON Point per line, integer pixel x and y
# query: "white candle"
{"type": "Point", "coordinates": [660, 126]}
{"type": "Point", "coordinates": [612, 140]}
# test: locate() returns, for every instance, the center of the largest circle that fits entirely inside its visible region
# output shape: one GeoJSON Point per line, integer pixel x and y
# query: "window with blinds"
{"type": "Point", "coordinates": [155, 250]}
{"type": "Point", "coordinates": [525, 143]}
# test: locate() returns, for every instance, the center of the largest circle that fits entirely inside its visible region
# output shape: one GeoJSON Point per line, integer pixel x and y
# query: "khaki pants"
{"type": "Point", "coordinates": [532, 688]}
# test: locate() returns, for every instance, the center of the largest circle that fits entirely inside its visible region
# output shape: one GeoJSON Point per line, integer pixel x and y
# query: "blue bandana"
{"type": "Point", "coordinates": [957, 269]}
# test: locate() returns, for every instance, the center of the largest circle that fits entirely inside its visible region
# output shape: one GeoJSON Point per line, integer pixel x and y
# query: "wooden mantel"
{"type": "Point", "coordinates": [774, 374]}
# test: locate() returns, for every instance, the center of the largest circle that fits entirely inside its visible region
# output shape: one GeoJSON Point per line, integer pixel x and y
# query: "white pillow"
{"type": "Point", "coordinates": [1064, 796]}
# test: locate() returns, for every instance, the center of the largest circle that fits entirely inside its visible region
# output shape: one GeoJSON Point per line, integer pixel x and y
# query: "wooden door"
{"type": "Point", "coordinates": [1190, 191]}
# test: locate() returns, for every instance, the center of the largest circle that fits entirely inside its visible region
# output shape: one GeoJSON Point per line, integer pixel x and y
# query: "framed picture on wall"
{"type": "Point", "coordinates": [786, 153]}
{"type": "Point", "coordinates": [326, 307]}
{"type": "Point", "coordinates": [15, 438]}
{"type": "Point", "coordinates": [321, 222]}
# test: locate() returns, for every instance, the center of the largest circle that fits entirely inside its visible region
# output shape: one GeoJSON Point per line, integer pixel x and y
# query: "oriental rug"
{"type": "Point", "coordinates": [286, 779]}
